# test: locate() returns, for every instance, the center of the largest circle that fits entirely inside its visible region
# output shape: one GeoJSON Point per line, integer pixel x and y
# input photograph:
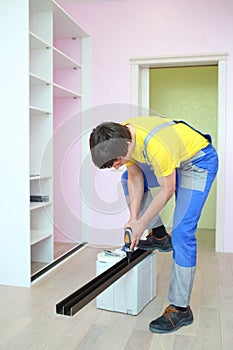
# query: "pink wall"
{"type": "Point", "coordinates": [67, 149]}
{"type": "Point", "coordinates": [67, 158]}
{"type": "Point", "coordinates": [121, 30]}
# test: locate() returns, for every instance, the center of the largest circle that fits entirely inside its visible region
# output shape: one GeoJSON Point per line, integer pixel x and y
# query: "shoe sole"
{"type": "Point", "coordinates": [160, 331]}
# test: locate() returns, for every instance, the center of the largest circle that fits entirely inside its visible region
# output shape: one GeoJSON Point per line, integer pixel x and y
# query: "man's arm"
{"type": "Point", "coordinates": [166, 191]}
{"type": "Point", "coordinates": [136, 190]}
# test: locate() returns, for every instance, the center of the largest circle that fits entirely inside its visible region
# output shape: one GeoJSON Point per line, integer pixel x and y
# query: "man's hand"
{"type": "Point", "coordinates": [137, 229]}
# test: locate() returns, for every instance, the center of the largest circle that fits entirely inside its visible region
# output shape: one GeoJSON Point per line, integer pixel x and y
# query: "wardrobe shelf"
{"type": "Point", "coordinates": [39, 111]}
{"type": "Point", "coordinates": [38, 236]}
{"type": "Point", "coordinates": [38, 205]}
{"type": "Point", "coordinates": [61, 92]}
{"type": "Point", "coordinates": [36, 42]}
{"type": "Point", "coordinates": [38, 177]}
{"type": "Point", "coordinates": [61, 60]}
{"type": "Point", "coordinates": [37, 80]}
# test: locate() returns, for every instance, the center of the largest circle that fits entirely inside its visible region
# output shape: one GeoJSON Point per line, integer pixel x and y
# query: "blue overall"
{"type": "Point", "coordinates": [194, 178]}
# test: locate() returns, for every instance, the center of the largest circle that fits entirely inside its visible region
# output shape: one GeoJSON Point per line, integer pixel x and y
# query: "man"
{"type": "Point", "coordinates": [180, 160]}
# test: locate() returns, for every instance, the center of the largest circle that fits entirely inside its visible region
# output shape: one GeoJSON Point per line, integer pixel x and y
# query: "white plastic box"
{"type": "Point", "coordinates": [131, 292]}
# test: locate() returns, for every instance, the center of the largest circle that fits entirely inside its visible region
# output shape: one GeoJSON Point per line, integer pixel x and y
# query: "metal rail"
{"type": "Point", "coordinates": [78, 299]}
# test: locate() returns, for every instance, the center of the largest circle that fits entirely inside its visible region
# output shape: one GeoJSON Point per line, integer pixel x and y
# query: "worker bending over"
{"type": "Point", "coordinates": [176, 158]}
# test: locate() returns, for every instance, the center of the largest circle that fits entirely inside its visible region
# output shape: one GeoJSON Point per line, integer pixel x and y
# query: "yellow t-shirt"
{"type": "Point", "coordinates": [168, 147]}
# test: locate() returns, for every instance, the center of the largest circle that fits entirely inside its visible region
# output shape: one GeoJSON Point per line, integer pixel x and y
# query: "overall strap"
{"type": "Point", "coordinates": [206, 136]}
{"type": "Point", "coordinates": [150, 135]}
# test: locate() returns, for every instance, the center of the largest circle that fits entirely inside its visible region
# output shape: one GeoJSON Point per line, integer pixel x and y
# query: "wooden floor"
{"type": "Point", "coordinates": [28, 319]}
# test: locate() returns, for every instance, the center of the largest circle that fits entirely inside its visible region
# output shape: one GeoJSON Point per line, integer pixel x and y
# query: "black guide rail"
{"type": "Point", "coordinates": [78, 299]}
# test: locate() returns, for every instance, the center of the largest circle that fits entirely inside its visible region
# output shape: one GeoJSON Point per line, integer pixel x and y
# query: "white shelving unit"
{"type": "Point", "coordinates": [34, 64]}
{"type": "Point", "coordinates": [48, 25]}
{"type": "Point", "coordinates": [41, 131]}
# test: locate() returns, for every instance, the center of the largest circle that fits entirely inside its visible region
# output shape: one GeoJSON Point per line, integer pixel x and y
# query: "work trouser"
{"type": "Point", "coordinates": [194, 178]}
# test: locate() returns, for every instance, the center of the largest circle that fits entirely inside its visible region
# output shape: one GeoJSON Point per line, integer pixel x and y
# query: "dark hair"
{"type": "Point", "coordinates": [108, 142]}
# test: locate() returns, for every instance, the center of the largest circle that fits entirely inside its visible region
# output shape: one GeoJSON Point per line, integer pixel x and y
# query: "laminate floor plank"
{"type": "Point", "coordinates": [120, 334]}
{"type": "Point", "coordinates": [209, 334]}
{"type": "Point", "coordinates": [185, 342]}
{"type": "Point", "coordinates": [163, 342]}
{"type": "Point", "coordinates": [139, 340]}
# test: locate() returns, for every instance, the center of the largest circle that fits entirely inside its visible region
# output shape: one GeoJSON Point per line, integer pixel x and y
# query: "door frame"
{"type": "Point", "coordinates": [139, 78]}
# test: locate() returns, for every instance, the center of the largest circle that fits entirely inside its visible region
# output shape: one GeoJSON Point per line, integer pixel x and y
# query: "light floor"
{"type": "Point", "coordinates": [28, 319]}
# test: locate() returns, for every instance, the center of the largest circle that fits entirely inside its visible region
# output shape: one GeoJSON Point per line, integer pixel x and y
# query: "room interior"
{"type": "Point", "coordinates": [80, 63]}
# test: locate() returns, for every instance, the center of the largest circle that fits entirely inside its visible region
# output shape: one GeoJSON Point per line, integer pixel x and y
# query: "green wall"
{"type": "Point", "coordinates": [191, 94]}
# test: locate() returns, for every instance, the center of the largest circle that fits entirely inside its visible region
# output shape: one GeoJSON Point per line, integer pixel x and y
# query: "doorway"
{"type": "Point", "coordinates": [190, 94]}
{"type": "Point", "coordinates": [140, 93]}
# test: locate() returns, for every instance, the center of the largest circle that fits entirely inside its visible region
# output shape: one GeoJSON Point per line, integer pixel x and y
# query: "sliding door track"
{"type": "Point", "coordinates": [78, 299]}
{"type": "Point", "coordinates": [57, 261]}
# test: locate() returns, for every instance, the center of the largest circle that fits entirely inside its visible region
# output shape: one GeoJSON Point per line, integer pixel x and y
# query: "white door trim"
{"type": "Point", "coordinates": [140, 97]}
